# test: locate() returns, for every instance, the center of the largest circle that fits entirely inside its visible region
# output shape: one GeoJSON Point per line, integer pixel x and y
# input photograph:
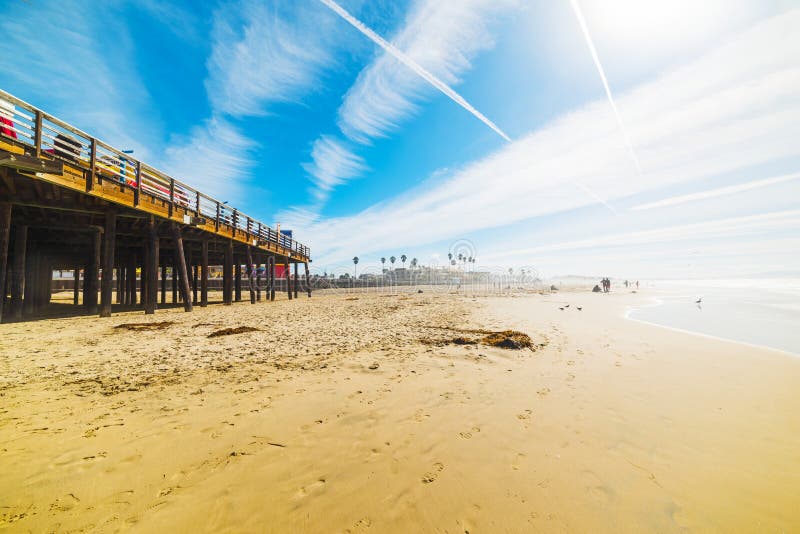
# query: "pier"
{"type": "Point", "coordinates": [127, 231]}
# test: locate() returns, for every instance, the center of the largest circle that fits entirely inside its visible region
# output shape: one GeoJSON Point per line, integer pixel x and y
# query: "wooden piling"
{"type": "Point", "coordinates": [287, 272]}
{"type": "Point", "coordinates": [152, 267]}
{"type": "Point", "coordinates": [251, 282]}
{"type": "Point", "coordinates": [271, 273]}
{"type": "Point", "coordinates": [227, 274]}
{"type": "Point", "coordinates": [179, 255]}
{"type": "Point", "coordinates": [204, 276]}
{"type": "Point", "coordinates": [130, 277]}
{"type": "Point", "coordinates": [5, 239]}
{"type": "Point", "coordinates": [18, 276]}
{"type": "Point", "coordinates": [195, 276]}
{"type": "Point", "coordinates": [258, 282]}
{"type": "Point", "coordinates": [163, 283]}
{"type": "Point", "coordinates": [76, 286]}
{"type": "Point", "coordinates": [174, 277]}
{"type": "Point", "coordinates": [296, 280]}
{"type": "Point", "coordinates": [308, 280]}
{"type": "Point", "coordinates": [118, 285]}
{"type": "Point", "coordinates": [93, 273]}
{"type": "Point", "coordinates": [110, 241]}
{"type": "Point", "coordinates": [237, 277]}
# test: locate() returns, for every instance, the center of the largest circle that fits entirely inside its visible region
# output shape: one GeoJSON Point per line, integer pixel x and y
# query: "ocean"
{"type": "Point", "coordinates": [762, 312]}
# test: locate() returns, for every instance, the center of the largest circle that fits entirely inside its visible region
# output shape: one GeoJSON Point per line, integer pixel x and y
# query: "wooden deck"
{"type": "Point", "coordinates": [65, 188]}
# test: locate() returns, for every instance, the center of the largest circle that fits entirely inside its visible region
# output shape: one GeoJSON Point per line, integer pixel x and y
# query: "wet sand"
{"type": "Point", "coordinates": [351, 413]}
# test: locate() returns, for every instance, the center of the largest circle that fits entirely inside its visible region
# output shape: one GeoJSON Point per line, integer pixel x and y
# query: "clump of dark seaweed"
{"type": "Point", "coordinates": [145, 326]}
{"type": "Point", "coordinates": [232, 331]}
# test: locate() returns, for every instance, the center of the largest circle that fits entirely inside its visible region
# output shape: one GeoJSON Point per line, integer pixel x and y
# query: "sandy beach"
{"type": "Point", "coordinates": [356, 412]}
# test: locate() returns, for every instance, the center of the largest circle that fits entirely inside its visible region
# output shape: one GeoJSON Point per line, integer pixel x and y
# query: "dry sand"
{"type": "Point", "coordinates": [348, 413]}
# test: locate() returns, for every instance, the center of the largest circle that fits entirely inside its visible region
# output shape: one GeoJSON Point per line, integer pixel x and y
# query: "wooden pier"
{"type": "Point", "coordinates": [71, 202]}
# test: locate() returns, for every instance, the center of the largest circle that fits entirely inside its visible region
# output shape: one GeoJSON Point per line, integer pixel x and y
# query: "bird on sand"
{"type": "Point", "coordinates": [579, 308]}
{"type": "Point", "coordinates": [566, 305]}
{"type": "Point", "coordinates": [562, 309]}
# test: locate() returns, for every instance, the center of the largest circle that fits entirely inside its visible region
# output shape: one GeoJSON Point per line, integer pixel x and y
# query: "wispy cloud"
{"type": "Point", "coordinates": [259, 57]}
{"type": "Point", "coordinates": [718, 192]}
{"type": "Point", "coordinates": [214, 157]}
{"type": "Point", "coordinates": [414, 66]}
{"type": "Point", "coordinates": [439, 37]}
{"type": "Point", "coordinates": [332, 164]}
{"type": "Point", "coordinates": [734, 108]}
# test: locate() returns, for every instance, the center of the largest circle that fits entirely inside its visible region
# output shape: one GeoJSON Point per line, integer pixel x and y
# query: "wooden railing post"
{"type": "Point", "coordinates": [137, 193]}
{"type": "Point", "coordinates": [235, 222]}
{"type": "Point", "coordinates": [38, 134]}
{"type": "Point", "coordinates": [92, 164]}
{"type": "Point", "coordinates": [216, 223]}
{"type": "Point", "coordinates": [171, 196]}
{"type": "Point", "coordinates": [197, 204]}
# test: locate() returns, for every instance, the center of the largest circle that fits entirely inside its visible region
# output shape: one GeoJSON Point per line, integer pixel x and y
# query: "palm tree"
{"type": "Point", "coordinates": [392, 259]}
{"type": "Point", "coordinates": [449, 257]}
{"type": "Point", "coordinates": [383, 263]}
{"type": "Point", "coordinates": [355, 268]}
{"type": "Point", "coordinates": [414, 263]}
{"type": "Point", "coordinates": [403, 258]}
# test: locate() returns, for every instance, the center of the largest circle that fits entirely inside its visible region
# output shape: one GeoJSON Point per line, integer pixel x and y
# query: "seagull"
{"type": "Point", "coordinates": [562, 309]}
{"type": "Point", "coordinates": [579, 308]}
{"type": "Point", "coordinates": [698, 301]}
{"type": "Point", "coordinates": [566, 305]}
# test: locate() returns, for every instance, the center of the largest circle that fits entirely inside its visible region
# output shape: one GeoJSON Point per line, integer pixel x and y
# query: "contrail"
{"type": "Point", "coordinates": [447, 90]}
{"type": "Point", "coordinates": [413, 65]}
{"type": "Point", "coordinates": [585, 29]}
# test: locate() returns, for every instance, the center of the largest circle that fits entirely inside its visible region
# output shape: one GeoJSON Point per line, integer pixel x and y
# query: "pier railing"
{"type": "Point", "coordinates": [49, 137]}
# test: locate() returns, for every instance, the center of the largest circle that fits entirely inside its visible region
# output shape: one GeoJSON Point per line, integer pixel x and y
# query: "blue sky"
{"type": "Point", "coordinates": [288, 112]}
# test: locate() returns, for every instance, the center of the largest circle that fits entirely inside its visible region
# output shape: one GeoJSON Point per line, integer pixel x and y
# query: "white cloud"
{"type": "Point", "coordinates": [734, 108]}
{"type": "Point", "coordinates": [332, 164]}
{"type": "Point", "coordinates": [214, 158]}
{"type": "Point", "coordinates": [442, 37]}
{"type": "Point", "coordinates": [719, 192]}
{"type": "Point", "coordinates": [259, 57]}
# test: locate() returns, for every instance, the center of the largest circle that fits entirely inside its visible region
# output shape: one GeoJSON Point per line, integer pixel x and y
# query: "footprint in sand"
{"type": "Point", "coordinates": [525, 416]}
{"type": "Point", "coordinates": [433, 474]}
{"type": "Point", "coordinates": [543, 392]}
{"type": "Point", "coordinates": [312, 488]}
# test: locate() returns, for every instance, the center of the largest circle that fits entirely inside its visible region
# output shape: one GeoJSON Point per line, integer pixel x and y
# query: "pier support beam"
{"type": "Point", "coordinates": [76, 286]}
{"type": "Point", "coordinates": [130, 278]}
{"type": "Point", "coordinates": [174, 277]}
{"type": "Point", "coordinates": [152, 268]}
{"type": "Point", "coordinates": [204, 275]}
{"type": "Point", "coordinates": [227, 274]}
{"type": "Point", "coordinates": [195, 276]}
{"type": "Point", "coordinates": [287, 271]}
{"type": "Point", "coordinates": [258, 282]}
{"type": "Point", "coordinates": [118, 286]}
{"type": "Point", "coordinates": [184, 279]}
{"type": "Point", "coordinates": [163, 283]}
{"type": "Point", "coordinates": [296, 280]}
{"type": "Point", "coordinates": [110, 241]}
{"type": "Point", "coordinates": [237, 277]}
{"type": "Point", "coordinates": [308, 280]}
{"type": "Point", "coordinates": [93, 273]}
{"type": "Point", "coordinates": [271, 273]}
{"type": "Point", "coordinates": [5, 239]}
{"type": "Point", "coordinates": [18, 275]}
{"type": "Point", "coordinates": [251, 281]}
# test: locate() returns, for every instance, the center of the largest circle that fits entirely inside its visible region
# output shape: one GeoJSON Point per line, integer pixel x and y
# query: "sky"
{"type": "Point", "coordinates": [376, 128]}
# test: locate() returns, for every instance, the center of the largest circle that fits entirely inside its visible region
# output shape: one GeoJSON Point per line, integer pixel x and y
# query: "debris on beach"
{"type": "Point", "coordinates": [505, 339]}
{"type": "Point", "coordinates": [508, 339]}
{"type": "Point", "coordinates": [232, 331]}
{"type": "Point", "coordinates": [374, 366]}
{"type": "Point", "coordinates": [145, 326]}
